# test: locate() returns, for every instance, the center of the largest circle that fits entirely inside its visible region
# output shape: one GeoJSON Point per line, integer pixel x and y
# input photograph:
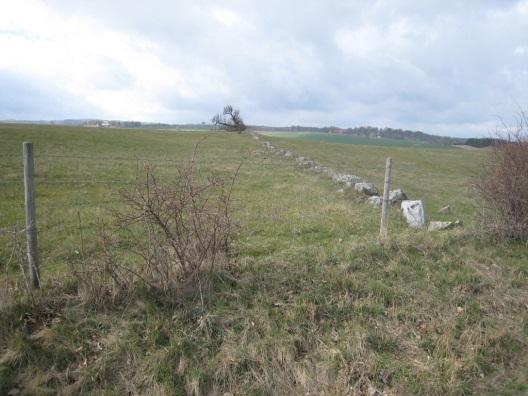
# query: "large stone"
{"type": "Point", "coordinates": [414, 213]}
{"type": "Point", "coordinates": [442, 225]}
{"type": "Point", "coordinates": [396, 196]}
{"type": "Point", "coordinates": [366, 188]}
{"type": "Point", "coordinates": [375, 201]}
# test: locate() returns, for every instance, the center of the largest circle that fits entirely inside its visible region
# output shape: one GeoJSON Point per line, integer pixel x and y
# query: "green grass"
{"type": "Point", "coordinates": [349, 139]}
{"type": "Point", "coordinates": [316, 304]}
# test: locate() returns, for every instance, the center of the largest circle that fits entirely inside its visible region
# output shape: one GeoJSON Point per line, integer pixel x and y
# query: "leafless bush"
{"type": "Point", "coordinates": [180, 231]}
{"type": "Point", "coordinates": [504, 185]}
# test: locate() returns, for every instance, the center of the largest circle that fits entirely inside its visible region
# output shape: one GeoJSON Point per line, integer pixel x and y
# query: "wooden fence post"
{"type": "Point", "coordinates": [386, 203]}
{"type": "Point", "coordinates": [31, 222]}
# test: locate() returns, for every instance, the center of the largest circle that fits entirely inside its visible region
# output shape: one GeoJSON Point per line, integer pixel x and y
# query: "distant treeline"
{"type": "Point", "coordinates": [371, 132]}
{"type": "Point", "coordinates": [483, 142]}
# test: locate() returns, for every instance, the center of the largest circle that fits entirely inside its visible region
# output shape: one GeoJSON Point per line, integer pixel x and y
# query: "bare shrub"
{"type": "Point", "coordinates": [179, 231]}
{"type": "Point", "coordinates": [504, 184]}
{"type": "Point", "coordinates": [101, 278]}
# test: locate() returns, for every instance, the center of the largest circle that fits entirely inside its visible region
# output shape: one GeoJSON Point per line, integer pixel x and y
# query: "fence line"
{"type": "Point", "coordinates": [214, 161]}
{"type": "Point", "coordinates": [260, 159]}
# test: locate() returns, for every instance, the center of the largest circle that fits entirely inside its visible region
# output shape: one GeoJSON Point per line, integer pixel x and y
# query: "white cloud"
{"type": "Point", "coordinates": [228, 18]}
{"type": "Point", "coordinates": [379, 41]}
{"type": "Point", "coordinates": [75, 53]}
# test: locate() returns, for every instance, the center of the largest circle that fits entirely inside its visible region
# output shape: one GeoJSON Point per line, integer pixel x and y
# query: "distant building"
{"type": "Point", "coordinates": [338, 131]}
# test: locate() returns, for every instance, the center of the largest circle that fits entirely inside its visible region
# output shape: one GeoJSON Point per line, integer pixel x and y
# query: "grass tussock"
{"type": "Point", "coordinates": [404, 321]}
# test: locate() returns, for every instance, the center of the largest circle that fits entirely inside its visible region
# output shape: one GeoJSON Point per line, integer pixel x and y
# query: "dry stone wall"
{"type": "Point", "coordinates": [413, 213]}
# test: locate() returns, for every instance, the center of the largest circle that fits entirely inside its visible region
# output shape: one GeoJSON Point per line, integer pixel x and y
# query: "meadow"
{"type": "Point", "coordinates": [313, 304]}
{"type": "Point", "coordinates": [350, 139]}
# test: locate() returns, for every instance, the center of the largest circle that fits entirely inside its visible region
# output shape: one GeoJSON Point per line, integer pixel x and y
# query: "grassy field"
{"type": "Point", "coordinates": [348, 139]}
{"type": "Point", "coordinates": [314, 304]}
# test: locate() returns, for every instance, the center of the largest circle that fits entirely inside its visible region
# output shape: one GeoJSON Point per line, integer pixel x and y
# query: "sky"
{"type": "Point", "coordinates": [446, 67]}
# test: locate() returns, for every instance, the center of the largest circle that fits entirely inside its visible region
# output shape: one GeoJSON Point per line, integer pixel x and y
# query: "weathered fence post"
{"type": "Point", "coordinates": [386, 203]}
{"type": "Point", "coordinates": [31, 222]}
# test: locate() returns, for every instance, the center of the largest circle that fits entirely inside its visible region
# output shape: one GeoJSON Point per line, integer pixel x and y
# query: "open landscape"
{"type": "Point", "coordinates": [310, 303]}
{"type": "Point", "coordinates": [263, 198]}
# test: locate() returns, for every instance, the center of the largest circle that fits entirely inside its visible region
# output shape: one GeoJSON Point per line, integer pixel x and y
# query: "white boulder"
{"type": "Point", "coordinates": [414, 213]}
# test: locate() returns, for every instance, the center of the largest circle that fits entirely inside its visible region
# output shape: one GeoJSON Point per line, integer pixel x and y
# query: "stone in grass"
{"type": "Point", "coordinates": [375, 201]}
{"type": "Point", "coordinates": [319, 169]}
{"type": "Point", "coordinates": [445, 210]}
{"type": "Point", "coordinates": [396, 196]}
{"type": "Point", "coordinates": [349, 180]}
{"type": "Point", "coordinates": [414, 213]}
{"type": "Point", "coordinates": [442, 225]}
{"type": "Point", "coordinates": [366, 188]}
{"type": "Point", "coordinates": [308, 163]}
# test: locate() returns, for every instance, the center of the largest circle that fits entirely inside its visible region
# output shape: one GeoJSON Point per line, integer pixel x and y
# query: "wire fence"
{"type": "Point", "coordinates": [65, 193]}
{"type": "Point", "coordinates": [257, 159]}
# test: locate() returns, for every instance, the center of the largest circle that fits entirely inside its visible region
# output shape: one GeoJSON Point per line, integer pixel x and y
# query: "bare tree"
{"type": "Point", "coordinates": [230, 120]}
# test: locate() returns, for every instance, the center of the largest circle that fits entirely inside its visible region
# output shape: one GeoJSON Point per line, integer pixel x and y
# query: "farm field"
{"type": "Point", "coordinates": [349, 139]}
{"type": "Point", "coordinates": [313, 305]}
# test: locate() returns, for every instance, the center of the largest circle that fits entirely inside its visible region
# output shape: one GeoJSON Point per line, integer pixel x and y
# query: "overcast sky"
{"type": "Point", "coordinates": [448, 67]}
